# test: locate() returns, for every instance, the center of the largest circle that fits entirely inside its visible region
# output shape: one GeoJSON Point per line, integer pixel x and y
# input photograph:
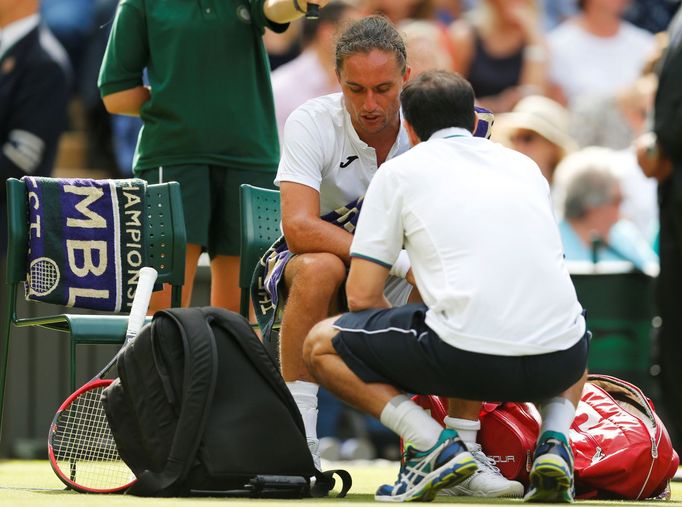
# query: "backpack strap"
{"type": "Point", "coordinates": [200, 373]}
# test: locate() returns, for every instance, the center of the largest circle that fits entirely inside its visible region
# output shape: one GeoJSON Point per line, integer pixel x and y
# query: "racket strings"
{"type": "Point", "coordinates": [84, 447]}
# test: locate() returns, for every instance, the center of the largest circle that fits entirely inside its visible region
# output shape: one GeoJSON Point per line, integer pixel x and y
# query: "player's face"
{"type": "Point", "coordinates": [371, 84]}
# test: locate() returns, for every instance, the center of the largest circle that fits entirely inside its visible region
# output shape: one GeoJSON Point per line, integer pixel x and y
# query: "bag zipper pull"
{"type": "Point", "coordinates": [654, 448]}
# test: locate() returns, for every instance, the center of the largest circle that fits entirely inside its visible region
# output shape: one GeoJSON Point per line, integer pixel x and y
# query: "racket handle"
{"type": "Point", "coordinates": [143, 294]}
{"type": "Point", "coordinates": [313, 11]}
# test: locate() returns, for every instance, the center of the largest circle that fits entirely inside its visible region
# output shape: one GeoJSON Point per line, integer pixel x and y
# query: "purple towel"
{"type": "Point", "coordinates": [86, 241]}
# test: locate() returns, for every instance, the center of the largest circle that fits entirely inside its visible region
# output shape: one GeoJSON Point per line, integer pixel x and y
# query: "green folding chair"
{"type": "Point", "coordinates": [260, 218]}
{"type": "Point", "coordinates": [165, 251]}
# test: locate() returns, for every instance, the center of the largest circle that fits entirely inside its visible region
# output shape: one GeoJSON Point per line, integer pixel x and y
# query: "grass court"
{"type": "Point", "coordinates": [33, 484]}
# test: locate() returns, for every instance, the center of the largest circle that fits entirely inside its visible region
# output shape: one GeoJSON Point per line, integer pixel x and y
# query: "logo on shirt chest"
{"type": "Point", "coordinates": [348, 161]}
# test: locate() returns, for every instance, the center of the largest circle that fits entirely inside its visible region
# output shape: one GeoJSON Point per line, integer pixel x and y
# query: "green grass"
{"type": "Point", "coordinates": [32, 484]}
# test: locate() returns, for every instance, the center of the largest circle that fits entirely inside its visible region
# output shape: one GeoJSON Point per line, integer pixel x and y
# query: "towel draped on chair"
{"type": "Point", "coordinates": [86, 241]}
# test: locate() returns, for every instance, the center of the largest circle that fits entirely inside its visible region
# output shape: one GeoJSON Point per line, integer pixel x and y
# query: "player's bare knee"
{"type": "Point", "coordinates": [322, 272]}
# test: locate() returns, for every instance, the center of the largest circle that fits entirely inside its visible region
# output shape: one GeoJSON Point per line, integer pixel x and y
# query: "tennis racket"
{"type": "Point", "coordinates": [81, 447]}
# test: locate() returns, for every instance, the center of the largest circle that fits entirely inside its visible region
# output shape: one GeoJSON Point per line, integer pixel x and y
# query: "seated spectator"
{"type": "Point", "coordinates": [500, 49]}
{"type": "Point", "coordinates": [614, 121]}
{"type": "Point", "coordinates": [425, 50]}
{"type": "Point", "coordinates": [400, 10]}
{"type": "Point", "coordinates": [596, 52]}
{"type": "Point", "coordinates": [589, 195]}
{"type": "Point", "coordinates": [537, 127]}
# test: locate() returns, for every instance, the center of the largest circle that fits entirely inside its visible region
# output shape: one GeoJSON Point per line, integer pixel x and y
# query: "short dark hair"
{"type": "Point", "coordinates": [333, 14]}
{"type": "Point", "coordinates": [368, 34]}
{"type": "Point", "coordinates": [438, 99]}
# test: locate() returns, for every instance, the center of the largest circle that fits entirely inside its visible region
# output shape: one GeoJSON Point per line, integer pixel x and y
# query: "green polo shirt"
{"type": "Point", "coordinates": [211, 100]}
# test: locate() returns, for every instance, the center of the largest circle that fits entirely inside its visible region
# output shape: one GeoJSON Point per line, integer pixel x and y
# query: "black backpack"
{"type": "Point", "coordinates": [200, 408]}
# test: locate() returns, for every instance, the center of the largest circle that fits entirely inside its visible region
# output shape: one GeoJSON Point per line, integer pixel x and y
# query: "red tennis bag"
{"type": "Point", "coordinates": [620, 446]}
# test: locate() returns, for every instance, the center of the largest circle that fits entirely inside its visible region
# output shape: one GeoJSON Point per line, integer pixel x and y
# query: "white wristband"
{"type": "Point", "coordinates": [401, 265]}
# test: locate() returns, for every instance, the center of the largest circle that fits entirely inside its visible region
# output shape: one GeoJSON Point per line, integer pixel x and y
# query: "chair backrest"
{"type": "Point", "coordinates": [260, 227]}
{"type": "Point", "coordinates": [165, 238]}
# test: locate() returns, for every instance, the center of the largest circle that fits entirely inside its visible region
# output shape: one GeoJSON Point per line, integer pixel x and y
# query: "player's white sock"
{"type": "Point", "coordinates": [305, 396]}
{"type": "Point", "coordinates": [557, 415]}
{"type": "Point", "coordinates": [411, 422]}
{"type": "Point", "coordinates": [466, 428]}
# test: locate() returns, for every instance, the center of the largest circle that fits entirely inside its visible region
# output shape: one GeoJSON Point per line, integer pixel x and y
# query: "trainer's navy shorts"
{"type": "Point", "coordinates": [394, 346]}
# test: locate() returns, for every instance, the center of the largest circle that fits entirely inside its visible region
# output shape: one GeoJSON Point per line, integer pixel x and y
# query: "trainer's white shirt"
{"type": "Point", "coordinates": [321, 149]}
{"type": "Point", "coordinates": [477, 222]}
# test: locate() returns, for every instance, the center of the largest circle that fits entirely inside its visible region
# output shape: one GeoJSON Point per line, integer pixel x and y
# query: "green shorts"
{"type": "Point", "coordinates": [210, 199]}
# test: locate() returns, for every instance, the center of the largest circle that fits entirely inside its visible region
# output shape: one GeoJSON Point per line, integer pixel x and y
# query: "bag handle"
{"type": "Point", "coordinates": [619, 389]}
{"type": "Point", "coordinates": [325, 482]}
{"type": "Point", "coordinates": [200, 373]}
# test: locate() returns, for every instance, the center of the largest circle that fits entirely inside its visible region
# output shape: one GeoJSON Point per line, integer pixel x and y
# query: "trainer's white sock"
{"type": "Point", "coordinates": [557, 415]}
{"type": "Point", "coordinates": [411, 422]}
{"type": "Point", "coordinates": [305, 396]}
{"type": "Point", "coordinates": [467, 429]}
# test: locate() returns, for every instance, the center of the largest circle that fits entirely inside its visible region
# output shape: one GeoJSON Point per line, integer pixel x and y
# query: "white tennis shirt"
{"type": "Point", "coordinates": [321, 149]}
{"type": "Point", "coordinates": [477, 222]}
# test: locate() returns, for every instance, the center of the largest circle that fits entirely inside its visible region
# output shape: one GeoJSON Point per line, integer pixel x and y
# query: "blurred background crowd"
{"type": "Point", "coordinates": [571, 82]}
{"type": "Point", "coordinates": [560, 76]}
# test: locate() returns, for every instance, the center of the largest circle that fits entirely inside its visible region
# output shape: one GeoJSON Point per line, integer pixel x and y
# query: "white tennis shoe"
{"type": "Point", "coordinates": [487, 481]}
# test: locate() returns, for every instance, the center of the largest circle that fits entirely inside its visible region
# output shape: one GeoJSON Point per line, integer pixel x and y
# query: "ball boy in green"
{"type": "Point", "coordinates": [208, 113]}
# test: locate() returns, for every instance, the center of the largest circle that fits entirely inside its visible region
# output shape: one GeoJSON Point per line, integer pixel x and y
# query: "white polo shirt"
{"type": "Point", "coordinates": [477, 222]}
{"type": "Point", "coordinates": [321, 149]}
{"type": "Point", "coordinates": [584, 64]}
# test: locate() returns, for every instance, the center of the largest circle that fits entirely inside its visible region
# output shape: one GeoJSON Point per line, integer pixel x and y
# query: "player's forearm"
{"type": "Point", "coordinates": [283, 11]}
{"type": "Point", "coordinates": [316, 235]}
{"type": "Point", "coordinates": [127, 102]}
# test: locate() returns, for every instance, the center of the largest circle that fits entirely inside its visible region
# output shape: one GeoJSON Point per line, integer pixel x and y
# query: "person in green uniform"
{"type": "Point", "coordinates": [208, 113]}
